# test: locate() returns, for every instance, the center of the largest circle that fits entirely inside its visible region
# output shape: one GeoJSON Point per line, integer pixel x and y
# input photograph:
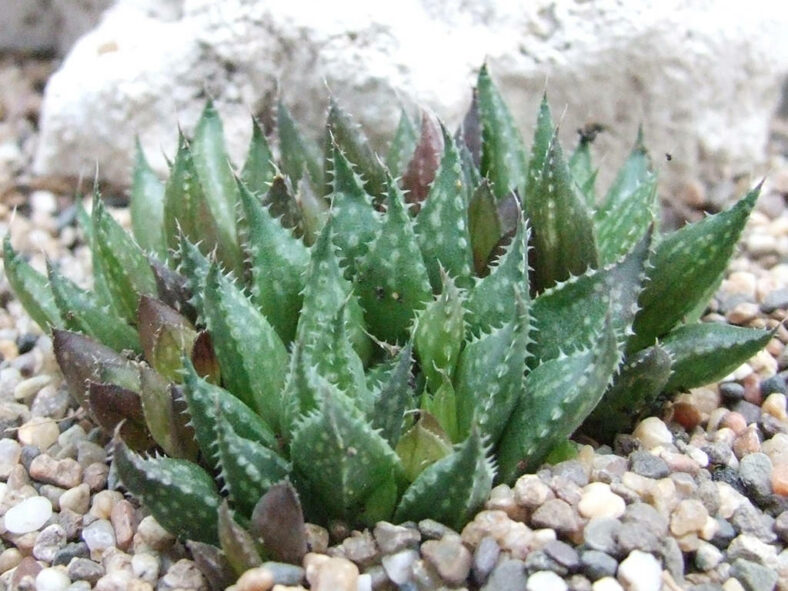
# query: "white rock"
{"type": "Point", "coordinates": [599, 501]}
{"type": "Point", "coordinates": [399, 566]}
{"type": "Point", "coordinates": [99, 536]}
{"type": "Point", "coordinates": [39, 431]}
{"type": "Point", "coordinates": [619, 64]}
{"type": "Point", "coordinates": [606, 584]}
{"type": "Point", "coordinates": [652, 432]}
{"type": "Point", "coordinates": [640, 572]}
{"type": "Point", "coordinates": [52, 579]}
{"type": "Point", "coordinates": [146, 567]}
{"type": "Point", "coordinates": [545, 580]}
{"type": "Point", "coordinates": [29, 515]}
{"type": "Point", "coordinates": [10, 452]}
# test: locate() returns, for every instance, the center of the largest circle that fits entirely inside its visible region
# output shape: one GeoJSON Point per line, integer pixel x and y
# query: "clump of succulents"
{"type": "Point", "coordinates": [389, 336]}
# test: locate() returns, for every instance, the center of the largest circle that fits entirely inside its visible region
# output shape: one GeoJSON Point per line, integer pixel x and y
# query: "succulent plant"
{"type": "Point", "coordinates": [390, 336]}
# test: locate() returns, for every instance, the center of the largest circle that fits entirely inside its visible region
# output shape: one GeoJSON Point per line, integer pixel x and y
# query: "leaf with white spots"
{"type": "Point", "coordinates": [488, 381]}
{"type": "Point", "coordinates": [342, 460]}
{"type": "Point", "coordinates": [194, 266]}
{"type": "Point", "coordinates": [451, 489]}
{"type": "Point", "coordinates": [393, 397]}
{"type": "Point", "coordinates": [146, 206]}
{"type": "Point", "coordinates": [82, 312]}
{"type": "Point", "coordinates": [165, 411]}
{"type": "Point", "coordinates": [206, 401]}
{"type": "Point", "coordinates": [251, 355]}
{"type": "Point", "coordinates": [443, 406]}
{"type": "Point", "coordinates": [583, 170]}
{"type": "Point", "coordinates": [629, 208]}
{"type": "Point", "coordinates": [684, 264]}
{"type": "Point", "coordinates": [298, 153]}
{"type": "Point", "coordinates": [259, 168]}
{"type": "Point", "coordinates": [485, 225]}
{"type": "Point", "coordinates": [342, 131]}
{"type": "Point", "coordinates": [635, 391]}
{"type": "Point", "coordinates": [559, 395]}
{"type": "Point", "coordinates": [248, 468]}
{"type": "Point", "coordinates": [503, 157]}
{"type": "Point", "coordinates": [569, 316]}
{"type": "Point", "coordinates": [354, 220]}
{"type": "Point", "coordinates": [31, 288]}
{"type": "Point", "coordinates": [706, 352]}
{"type": "Point", "coordinates": [491, 300]}
{"type": "Point", "coordinates": [442, 223]}
{"type": "Point", "coordinates": [562, 229]}
{"type": "Point", "coordinates": [392, 283]}
{"type": "Point", "coordinates": [422, 445]}
{"type": "Point", "coordinates": [178, 493]}
{"type": "Point", "coordinates": [439, 333]}
{"type": "Point", "coordinates": [122, 263]}
{"type": "Point", "coordinates": [325, 291]}
{"type": "Point", "coordinates": [402, 145]}
{"type": "Point", "coordinates": [278, 262]}
{"type": "Point", "coordinates": [237, 544]}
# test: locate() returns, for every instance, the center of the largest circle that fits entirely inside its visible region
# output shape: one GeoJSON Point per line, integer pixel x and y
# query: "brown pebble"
{"type": "Point", "coordinates": [752, 389]}
{"type": "Point", "coordinates": [747, 443]}
{"type": "Point", "coordinates": [95, 476]}
{"type": "Point", "coordinates": [686, 415]}
{"type": "Point", "coordinates": [66, 473]}
{"type": "Point", "coordinates": [780, 480]}
{"type": "Point", "coordinates": [735, 422]}
{"type": "Point", "coordinates": [124, 522]}
{"type": "Point", "coordinates": [255, 579]}
{"type": "Point", "coordinates": [28, 568]}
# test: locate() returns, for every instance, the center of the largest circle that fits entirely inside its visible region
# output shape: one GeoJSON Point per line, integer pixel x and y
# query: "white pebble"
{"type": "Point", "coordinates": [145, 566]}
{"type": "Point", "coordinates": [640, 572]}
{"type": "Point", "coordinates": [606, 584]}
{"type": "Point", "coordinates": [652, 432]}
{"type": "Point", "coordinates": [29, 515]}
{"type": "Point", "coordinates": [599, 501]}
{"type": "Point", "coordinates": [52, 579]}
{"type": "Point", "coordinates": [545, 580]}
{"type": "Point", "coordinates": [39, 431]}
{"type": "Point", "coordinates": [26, 389]}
{"type": "Point", "coordinates": [10, 452]}
{"type": "Point", "coordinates": [99, 536]}
{"type": "Point", "coordinates": [76, 499]}
{"type": "Point", "coordinates": [399, 566]}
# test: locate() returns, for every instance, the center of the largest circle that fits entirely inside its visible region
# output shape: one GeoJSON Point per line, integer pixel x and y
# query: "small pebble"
{"type": "Point", "coordinates": [557, 515]}
{"type": "Point", "coordinates": [607, 584]}
{"type": "Point", "coordinates": [640, 572]}
{"type": "Point", "coordinates": [545, 581]}
{"type": "Point", "coordinates": [599, 501]}
{"type": "Point", "coordinates": [399, 566]}
{"type": "Point", "coordinates": [99, 536]}
{"type": "Point", "coordinates": [450, 558]}
{"type": "Point", "coordinates": [28, 516]}
{"type": "Point", "coordinates": [52, 579]}
{"type": "Point", "coordinates": [652, 432]}
{"type": "Point", "coordinates": [255, 579]}
{"type": "Point", "coordinates": [39, 431]}
{"type": "Point", "coordinates": [326, 573]}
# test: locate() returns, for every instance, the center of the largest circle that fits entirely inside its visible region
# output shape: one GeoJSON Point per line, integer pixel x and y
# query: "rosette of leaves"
{"type": "Point", "coordinates": [390, 336]}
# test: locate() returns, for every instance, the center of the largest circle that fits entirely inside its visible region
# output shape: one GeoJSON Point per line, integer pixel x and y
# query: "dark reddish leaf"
{"type": "Point", "coordinates": [279, 521]}
{"type": "Point", "coordinates": [470, 132]}
{"type": "Point", "coordinates": [425, 161]}
{"type": "Point", "coordinates": [165, 336]}
{"type": "Point", "coordinates": [112, 405]}
{"type": "Point", "coordinates": [173, 289]}
{"type": "Point", "coordinates": [166, 415]}
{"type": "Point", "coordinates": [281, 203]}
{"type": "Point", "coordinates": [80, 359]}
{"type": "Point", "coordinates": [204, 358]}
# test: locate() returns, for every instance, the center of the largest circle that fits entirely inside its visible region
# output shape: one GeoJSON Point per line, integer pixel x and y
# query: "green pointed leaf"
{"type": "Point", "coordinates": [112, 406]}
{"type": "Point", "coordinates": [347, 135]}
{"type": "Point", "coordinates": [394, 397]}
{"type": "Point", "coordinates": [443, 406]}
{"type": "Point", "coordinates": [123, 264]}
{"type": "Point", "coordinates": [422, 445]}
{"type": "Point", "coordinates": [586, 300]}
{"type": "Point", "coordinates": [563, 231]}
{"type": "Point", "coordinates": [248, 468]}
{"type": "Point", "coordinates": [259, 168]}
{"type": "Point", "coordinates": [251, 355]}
{"type": "Point", "coordinates": [341, 459]}
{"type": "Point", "coordinates": [484, 226]}
{"type": "Point", "coordinates": [583, 170]}
{"type": "Point", "coordinates": [281, 203]}
{"type": "Point", "coordinates": [402, 145]}
{"type": "Point", "coordinates": [206, 401]}
{"type": "Point", "coordinates": [83, 313]}
{"type": "Point", "coordinates": [559, 395]}
{"type": "Point", "coordinates": [31, 288]}
{"type": "Point", "coordinates": [488, 382]}
{"type": "Point", "coordinates": [165, 336]}
{"type": "Point", "coordinates": [354, 220]}
{"type": "Point", "coordinates": [278, 521]}
{"type": "Point", "coordinates": [146, 206]}
{"type": "Point", "coordinates": [703, 353]}
{"type": "Point", "coordinates": [325, 291]}
{"type": "Point", "coordinates": [314, 210]}
{"type": "Point", "coordinates": [393, 283]}
{"type": "Point", "coordinates": [635, 391]}
{"type": "Point", "coordinates": [451, 489]}
{"type": "Point", "coordinates": [504, 160]}
{"type": "Point", "coordinates": [684, 265]}
{"type": "Point", "coordinates": [298, 152]}
{"type": "Point", "coordinates": [172, 489]}
{"type": "Point", "coordinates": [491, 300]}
{"type": "Point", "coordinates": [194, 266]}
{"type": "Point", "coordinates": [420, 172]}
{"type": "Point", "coordinates": [236, 543]}
{"type": "Point", "coordinates": [166, 416]}
{"type": "Point", "coordinates": [442, 223]}
{"type": "Point", "coordinates": [630, 206]}
{"type": "Point", "coordinates": [218, 183]}
{"type": "Point", "coordinates": [439, 334]}
{"type": "Point", "coordinates": [278, 263]}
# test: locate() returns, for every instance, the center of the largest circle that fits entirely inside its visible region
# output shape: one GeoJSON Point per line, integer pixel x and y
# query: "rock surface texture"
{"type": "Point", "coordinates": [703, 84]}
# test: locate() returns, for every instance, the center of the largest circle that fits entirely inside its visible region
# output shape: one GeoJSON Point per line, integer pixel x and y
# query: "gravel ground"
{"type": "Point", "coordinates": [696, 498]}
